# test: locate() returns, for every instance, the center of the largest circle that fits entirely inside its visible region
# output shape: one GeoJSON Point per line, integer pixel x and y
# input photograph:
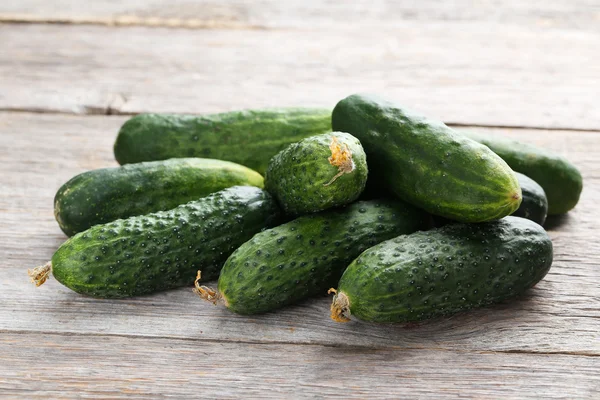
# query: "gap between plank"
{"type": "Point", "coordinates": [532, 128]}
{"type": "Point", "coordinates": [88, 111]}
{"type": "Point", "coordinates": [275, 343]}
{"type": "Point", "coordinates": [131, 21]}
{"type": "Point", "coordinates": [110, 111]}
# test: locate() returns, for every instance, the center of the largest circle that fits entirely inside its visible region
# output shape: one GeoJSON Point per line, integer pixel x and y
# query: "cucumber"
{"type": "Point", "coordinates": [248, 137]}
{"type": "Point", "coordinates": [163, 250]}
{"type": "Point", "coordinates": [428, 164]}
{"type": "Point", "coordinates": [561, 180]}
{"type": "Point", "coordinates": [104, 195]}
{"type": "Point", "coordinates": [304, 257]}
{"type": "Point", "coordinates": [318, 173]}
{"type": "Point", "coordinates": [535, 204]}
{"type": "Point", "coordinates": [443, 271]}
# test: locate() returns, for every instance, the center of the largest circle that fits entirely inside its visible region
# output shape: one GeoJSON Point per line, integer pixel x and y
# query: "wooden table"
{"type": "Point", "coordinates": [72, 71]}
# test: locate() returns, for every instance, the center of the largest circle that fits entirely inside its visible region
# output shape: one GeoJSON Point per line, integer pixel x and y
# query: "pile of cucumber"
{"type": "Point", "coordinates": [407, 218]}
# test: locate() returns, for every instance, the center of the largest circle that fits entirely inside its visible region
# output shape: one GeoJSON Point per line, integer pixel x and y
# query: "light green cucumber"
{"type": "Point", "coordinates": [318, 173]}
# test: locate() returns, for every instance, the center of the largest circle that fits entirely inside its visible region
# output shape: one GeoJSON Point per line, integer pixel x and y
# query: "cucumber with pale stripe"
{"type": "Point", "coordinates": [428, 164]}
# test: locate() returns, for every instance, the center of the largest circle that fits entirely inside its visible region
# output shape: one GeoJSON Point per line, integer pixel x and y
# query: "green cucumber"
{"type": "Point", "coordinates": [535, 204]}
{"type": "Point", "coordinates": [428, 164]}
{"type": "Point", "coordinates": [304, 257]}
{"type": "Point", "coordinates": [443, 271]}
{"type": "Point", "coordinates": [163, 250]}
{"type": "Point", "coordinates": [104, 195]}
{"type": "Point", "coordinates": [561, 180]}
{"type": "Point", "coordinates": [248, 137]}
{"type": "Point", "coordinates": [318, 173]}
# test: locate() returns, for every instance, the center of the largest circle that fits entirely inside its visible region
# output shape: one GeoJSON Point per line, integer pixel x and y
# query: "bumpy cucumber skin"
{"type": "Point", "coordinates": [535, 204]}
{"type": "Point", "coordinates": [154, 252]}
{"type": "Point", "coordinates": [427, 163]}
{"type": "Point", "coordinates": [561, 180]}
{"type": "Point", "coordinates": [446, 270]}
{"type": "Point", "coordinates": [104, 195]}
{"type": "Point", "coordinates": [248, 137]}
{"type": "Point", "coordinates": [298, 175]}
{"type": "Point", "coordinates": [307, 256]}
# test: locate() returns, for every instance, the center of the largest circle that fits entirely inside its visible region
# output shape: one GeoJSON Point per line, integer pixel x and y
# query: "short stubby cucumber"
{"type": "Point", "coordinates": [249, 137]}
{"type": "Point", "coordinates": [163, 250]}
{"type": "Point", "coordinates": [443, 271]}
{"type": "Point", "coordinates": [318, 173]}
{"type": "Point", "coordinates": [535, 204]}
{"type": "Point", "coordinates": [104, 195]}
{"type": "Point", "coordinates": [428, 164]}
{"type": "Point", "coordinates": [561, 180]}
{"type": "Point", "coordinates": [304, 257]}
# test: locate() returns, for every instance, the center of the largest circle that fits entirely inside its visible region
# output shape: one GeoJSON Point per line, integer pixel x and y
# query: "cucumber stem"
{"type": "Point", "coordinates": [204, 292]}
{"type": "Point", "coordinates": [334, 178]}
{"type": "Point", "coordinates": [341, 158]}
{"type": "Point", "coordinates": [40, 274]}
{"type": "Point", "coordinates": [340, 307]}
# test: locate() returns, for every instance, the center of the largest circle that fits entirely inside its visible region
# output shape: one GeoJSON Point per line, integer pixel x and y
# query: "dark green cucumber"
{"type": "Point", "coordinates": [444, 271]}
{"type": "Point", "coordinates": [428, 164]}
{"type": "Point", "coordinates": [104, 195]}
{"type": "Point", "coordinates": [561, 180]}
{"type": "Point", "coordinates": [306, 256]}
{"type": "Point", "coordinates": [153, 252]}
{"type": "Point", "coordinates": [248, 137]}
{"type": "Point", "coordinates": [318, 173]}
{"type": "Point", "coordinates": [535, 204]}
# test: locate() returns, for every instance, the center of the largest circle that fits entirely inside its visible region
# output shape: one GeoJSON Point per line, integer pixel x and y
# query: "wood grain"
{"type": "Point", "coordinates": [579, 14]}
{"type": "Point", "coordinates": [474, 72]}
{"type": "Point", "coordinates": [42, 366]}
{"type": "Point", "coordinates": [561, 315]}
{"type": "Point", "coordinates": [67, 66]}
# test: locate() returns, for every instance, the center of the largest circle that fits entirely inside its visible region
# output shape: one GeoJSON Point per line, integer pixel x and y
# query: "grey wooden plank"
{"type": "Point", "coordinates": [41, 151]}
{"type": "Point", "coordinates": [478, 72]}
{"type": "Point", "coordinates": [579, 14]}
{"type": "Point", "coordinates": [42, 366]}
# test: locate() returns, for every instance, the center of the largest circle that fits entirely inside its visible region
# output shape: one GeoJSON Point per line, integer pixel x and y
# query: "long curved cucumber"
{"type": "Point", "coordinates": [153, 252]}
{"type": "Point", "coordinates": [249, 137]}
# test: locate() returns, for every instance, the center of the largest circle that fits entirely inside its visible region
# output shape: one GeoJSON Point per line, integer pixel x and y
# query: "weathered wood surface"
{"type": "Point", "coordinates": [136, 368]}
{"type": "Point", "coordinates": [488, 63]}
{"type": "Point", "coordinates": [577, 14]}
{"type": "Point", "coordinates": [56, 343]}
{"type": "Point", "coordinates": [473, 72]}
